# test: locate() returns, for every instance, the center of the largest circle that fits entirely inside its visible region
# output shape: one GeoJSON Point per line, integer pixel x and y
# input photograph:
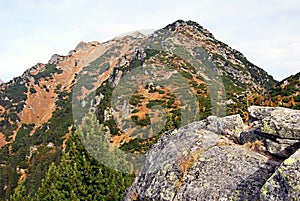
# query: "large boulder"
{"type": "Point", "coordinates": [223, 159]}
{"type": "Point", "coordinates": [284, 184]}
{"type": "Point", "coordinates": [259, 113]}
{"type": "Point", "coordinates": [230, 125]}
{"type": "Point", "coordinates": [278, 128]}
{"type": "Point", "coordinates": [278, 121]}
{"type": "Point", "coordinates": [195, 163]}
{"type": "Point", "coordinates": [282, 148]}
{"type": "Point", "coordinates": [226, 173]}
{"type": "Point", "coordinates": [162, 171]}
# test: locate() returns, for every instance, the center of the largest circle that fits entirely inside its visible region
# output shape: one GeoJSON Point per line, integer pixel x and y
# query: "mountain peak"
{"type": "Point", "coordinates": [189, 25]}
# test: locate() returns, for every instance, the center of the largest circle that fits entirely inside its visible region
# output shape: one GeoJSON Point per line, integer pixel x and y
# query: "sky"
{"type": "Point", "coordinates": [31, 31]}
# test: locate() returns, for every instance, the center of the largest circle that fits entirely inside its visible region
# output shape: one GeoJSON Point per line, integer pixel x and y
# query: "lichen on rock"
{"type": "Point", "coordinates": [203, 160]}
{"type": "Point", "coordinates": [284, 184]}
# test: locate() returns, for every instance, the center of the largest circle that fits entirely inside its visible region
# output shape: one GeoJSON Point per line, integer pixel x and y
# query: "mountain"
{"type": "Point", "coordinates": [286, 93]}
{"type": "Point", "coordinates": [138, 87]}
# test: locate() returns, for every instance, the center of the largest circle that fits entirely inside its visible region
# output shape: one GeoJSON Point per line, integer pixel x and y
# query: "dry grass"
{"type": "Point", "coordinates": [2, 140]}
{"type": "Point", "coordinates": [134, 196]}
{"type": "Point", "coordinates": [185, 165]}
{"type": "Point", "coordinates": [257, 146]}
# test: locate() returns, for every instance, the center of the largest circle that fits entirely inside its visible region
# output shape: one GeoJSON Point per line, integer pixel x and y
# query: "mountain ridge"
{"type": "Point", "coordinates": [36, 108]}
{"type": "Point", "coordinates": [177, 23]}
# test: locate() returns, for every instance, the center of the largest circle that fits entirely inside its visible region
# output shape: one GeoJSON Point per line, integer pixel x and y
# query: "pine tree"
{"type": "Point", "coordinates": [79, 176]}
{"type": "Point", "coordinates": [20, 194]}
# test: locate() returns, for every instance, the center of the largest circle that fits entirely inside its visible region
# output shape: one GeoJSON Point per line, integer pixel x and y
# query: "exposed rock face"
{"type": "Point", "coordinates": [284, 184]}
{"type": "Point", "coordinates": [226, 173]}
{"type": "Point", "coordinates": [55, 59]}
{"type": "Point", "coordinates": [277, 121]}
{"type": "Point", "coordinates": [230, 125]}
{"type": "Point", "coordinates": [165, 168]}
{"type": "Point", "coordinates": [195, 163]}
{"type": "Point", "coordinates": [200, 161]}
{"type": "Point", "coordinates": [282, 147]}
{"type": "Point", "coordinates": [278, 128]}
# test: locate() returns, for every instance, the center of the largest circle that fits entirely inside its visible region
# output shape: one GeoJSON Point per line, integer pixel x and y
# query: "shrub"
{"type": "Point", "coordinates": [32, 90]}
{"type": "Point", "coordinates": [50, 69]}
{"type": "Point", "coordinates": [135, 99]}
{"type": "Point", "coordinates": [135, 111]}
{"type": "Point", "coordinates": [297, 98]}
{"type": "Point", "coordinates": [186, 75]}
{"type": "Point", "coordinates": [154, 102]}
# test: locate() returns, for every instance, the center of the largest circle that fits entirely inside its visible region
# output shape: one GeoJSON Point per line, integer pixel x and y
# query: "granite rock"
{"type": "Point", "coordinates": [284, 184]}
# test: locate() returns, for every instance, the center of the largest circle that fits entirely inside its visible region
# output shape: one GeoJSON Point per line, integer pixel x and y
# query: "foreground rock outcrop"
{"type": "Point", "coordinates": [206, 160]}
{"type": "Point", "coordinates": [278, 128]}
{"type": "Point", "coordinates": [284, 184]}
{"type": "Point", "coordinates": [277, 121]}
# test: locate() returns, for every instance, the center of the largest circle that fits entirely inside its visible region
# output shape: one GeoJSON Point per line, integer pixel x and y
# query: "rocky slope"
{"type": "Point", "coordinates": [36, 115]}
{"type": "Point", "coordinates": [205, 161]}
{"type": "Point", "coordinates": [286, 93]}
{"type": "Point", "coordinates": [178, 66]}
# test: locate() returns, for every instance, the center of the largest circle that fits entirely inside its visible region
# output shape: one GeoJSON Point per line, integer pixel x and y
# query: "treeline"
{"type": "Point", "coordinates": [78, 176]}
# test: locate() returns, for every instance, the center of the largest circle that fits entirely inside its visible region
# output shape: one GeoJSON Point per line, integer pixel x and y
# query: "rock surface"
{"type": "Point", "coordinates": [196, 163]}
{"type": "Point", "coordinates": [277, 121]}
{"type": "Point", "coordinates": [226, 173]}
{"type": "Point", "coordinates": [202, 161]}
{"type": "Point", "coordinates": [278, 128]}
{"type": "Point", "coordinates": [284, 184]}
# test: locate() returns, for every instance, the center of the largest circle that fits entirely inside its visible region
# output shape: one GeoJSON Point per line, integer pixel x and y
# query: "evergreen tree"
{"type": "Point", "coordinates": [20, 194]}
{"type": "Point", "coordinates": [79, 176]}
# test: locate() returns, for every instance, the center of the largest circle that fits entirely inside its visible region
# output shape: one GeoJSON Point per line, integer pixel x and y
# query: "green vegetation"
{"type": "Point", "coordinates": [297, 98]}
{"type": "Point", "coordinates": [78, 177]}
{"type": "Point", "coordinates": [135, 99]}
{"type": "Point", "coordinates": [16, 92]}
{"type": "Point", "coordinates": [141, 122]}
{"type": "Point", "coordinates": [155, 102]}
{"type": "Point", "coordinates": [106, 90]}
{"type": "Point", "coordinates": [135, 111]}
{"type": "Point", "coordinates": [50, 69]}
{"type": "Point", "coordinates": [285, 93]}
{"type": "Point", "coordinates": [151, 53]}
{"type": "Point", "coordinates": [139, 145]}
{"type": "Point", "coordinates": [133, 64]}
{"type": "Point", "coordinates": [59, 167]}
{"type": "Point", "coordinates": [113, 127]}
{"type": "Point", "coordinates": [32, 90]}
{"type": "Point", "coordinates": [186, 75]}
{"type": "Point", "coordinates": [36, 161]}
{"type": "Point", "coordinates": [9, 123]}
{"type": "Point", "coordinates": [21, 137]}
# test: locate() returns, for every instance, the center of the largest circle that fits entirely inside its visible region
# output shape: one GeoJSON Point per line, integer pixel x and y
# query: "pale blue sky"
{"type": "Point", "coordinates": [266, 32]}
